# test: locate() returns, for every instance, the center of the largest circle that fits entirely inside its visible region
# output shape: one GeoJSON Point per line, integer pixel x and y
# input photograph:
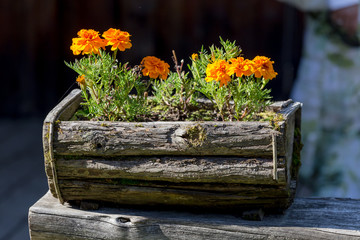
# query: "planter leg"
{"type": "Point", "coordinates": [253, 215]}
{"type": "Point", "coordinates": [87, 205]}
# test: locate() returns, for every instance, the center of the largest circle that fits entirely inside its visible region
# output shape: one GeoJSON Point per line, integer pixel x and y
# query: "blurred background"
{"type": "Point", "coordinates": [35, 41]}
{"type": "Point", "coordinates": [36, 37]}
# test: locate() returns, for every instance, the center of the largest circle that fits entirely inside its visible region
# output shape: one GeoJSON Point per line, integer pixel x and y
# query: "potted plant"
{"type": "Point", "coordinates": [208, 137]}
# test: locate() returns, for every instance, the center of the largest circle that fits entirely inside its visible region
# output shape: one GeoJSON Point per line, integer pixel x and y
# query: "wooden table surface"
{"type": "Point", "coordinates": [307, 218]}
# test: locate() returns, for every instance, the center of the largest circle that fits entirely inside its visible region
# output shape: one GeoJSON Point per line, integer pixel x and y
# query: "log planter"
{"type": "Point", "coordinates": [193, 165]}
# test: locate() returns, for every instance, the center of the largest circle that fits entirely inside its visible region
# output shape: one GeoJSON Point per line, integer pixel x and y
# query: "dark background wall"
{"type": "Point", "coordinates": [36, 36]}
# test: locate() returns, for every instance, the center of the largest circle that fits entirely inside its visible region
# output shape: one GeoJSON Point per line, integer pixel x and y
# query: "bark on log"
{"type": "Point", "coordinates": [215, 164]}
{"type": "Point", "coordinates": [165, 138]}
{"type": "Point", "coordinates": [175, 169]}
{"type": "Point", "coordinates": [167, 196]}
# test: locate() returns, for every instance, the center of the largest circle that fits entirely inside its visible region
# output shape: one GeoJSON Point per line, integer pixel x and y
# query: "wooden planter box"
{"type": "Point", "coordinates": [217, 165]}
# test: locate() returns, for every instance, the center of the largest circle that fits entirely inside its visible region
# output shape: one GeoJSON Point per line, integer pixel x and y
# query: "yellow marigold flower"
{"type": "Point", "coordinates": [263, 67]}
{"type": "Point", "coordinates": [241, 66]}
{"type": "Point", "coordinates": [154, 67]}
{"type": "Point", "coordinates": [218, 71]}
{"type": "Point", "coordinates": [117, 39]}
{"type": "Point", "coordinates": [81, 80]}
{"type": "Point", "coordinates": [194, 56]}
{"type": "Point", "coordinates": [88, 42]}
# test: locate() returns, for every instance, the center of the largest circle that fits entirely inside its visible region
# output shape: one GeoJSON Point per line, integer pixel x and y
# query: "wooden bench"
{"type": "Point", "coordinates": [307, 218]}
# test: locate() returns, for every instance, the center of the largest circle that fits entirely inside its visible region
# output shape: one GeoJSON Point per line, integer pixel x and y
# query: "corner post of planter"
{"type": "Point", "coordinates": [63, 111]}
{"type": "Point", "coordinates": [274, 148]}
{"type": "Point", "coordinates": [52, 163]}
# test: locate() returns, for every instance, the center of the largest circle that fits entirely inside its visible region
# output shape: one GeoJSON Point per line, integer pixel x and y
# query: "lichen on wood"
{"type": "Point", "coordinates": [195, 135]}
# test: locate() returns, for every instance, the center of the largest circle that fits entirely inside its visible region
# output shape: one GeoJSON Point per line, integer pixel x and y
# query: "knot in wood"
{"type": "Point", "coordinates": [98, 142]}
{"type": "Point", "coordinates": [123, 220]}
{"type": "Point", "coordinates": [195, 135]}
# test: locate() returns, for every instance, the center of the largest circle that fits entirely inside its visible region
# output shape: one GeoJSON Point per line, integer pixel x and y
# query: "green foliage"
{"type": "Point", "coordinates": [116, 92]}
{"type": "Point", "coordinates": [108, 87]}
{"type": "Point", "coordinates": [227, 51]}
{"type": "Point", "coordinates": [176, 93]}
{"type": "Point", "coordinates": [248, 95]}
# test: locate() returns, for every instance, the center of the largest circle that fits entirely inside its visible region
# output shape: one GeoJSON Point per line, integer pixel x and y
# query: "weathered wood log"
{"type": "Point", "coordinates": [163, 196]}
{"type": "Point", "coordinates": [172, 163]}
{"type": "Point", "coordinates": [175, 169]}
{"type": "Point", "coordinates": [305, 219]}
{"type": "Point", "coordinates": [165, 138]}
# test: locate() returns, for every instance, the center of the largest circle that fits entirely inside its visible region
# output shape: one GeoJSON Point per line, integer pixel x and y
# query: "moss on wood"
{"type": "Point", "coordinates": [195, 135]}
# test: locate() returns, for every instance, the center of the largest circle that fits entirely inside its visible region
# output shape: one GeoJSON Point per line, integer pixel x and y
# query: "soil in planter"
{"type": "Point", "coordinates": [201, 112]}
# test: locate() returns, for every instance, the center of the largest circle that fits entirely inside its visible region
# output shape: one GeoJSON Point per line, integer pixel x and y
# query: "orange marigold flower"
{"type": "Point", "coordinates": [264, 68]}
{"type": "Point", "coordinates": [194, 56]}
{"type": "Point", "coordinates": [88, 42]}
{"type": "Point", "coordinates": [218, 71]}
{"type": "Point", "coordinates": [154, 67]}
{"type": "Point", "coordinates": [241, 66]}
{"type": "Point", "coordinates": [117, 39]}
{"type": "Point", "coordinates": [81, 80]}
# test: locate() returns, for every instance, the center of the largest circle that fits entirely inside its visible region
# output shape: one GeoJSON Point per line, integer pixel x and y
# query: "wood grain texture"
{"type": "Point", "coordinates": [164, 138]}
{"type": "Point", "coordinates": [164, 163]}
{"type": "Point", "coordinates": [305, 219]}
{"type": "Point", "coordinates": [175, 169]}
{"type": "Point", "coordinates": [161, 195]}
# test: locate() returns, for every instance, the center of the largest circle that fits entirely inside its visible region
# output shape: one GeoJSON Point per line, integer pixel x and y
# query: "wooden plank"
{"type": "Point", "coordinates": [175, 169]}
{"type": "Point", "coordinates": [66, 108]}
{"type": "Point", "coordinates": [305, 219]}
{"type": "Point", "coordinates": [169, 195]}
{"type": "Point", "coordinates": [171, 181]}
{"type": "Point", "coordinates": [165, 138]}
{"type": "Point", "coordinates": [279, 105]}
{"type": "Point", "coordinates": [290, 114]}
